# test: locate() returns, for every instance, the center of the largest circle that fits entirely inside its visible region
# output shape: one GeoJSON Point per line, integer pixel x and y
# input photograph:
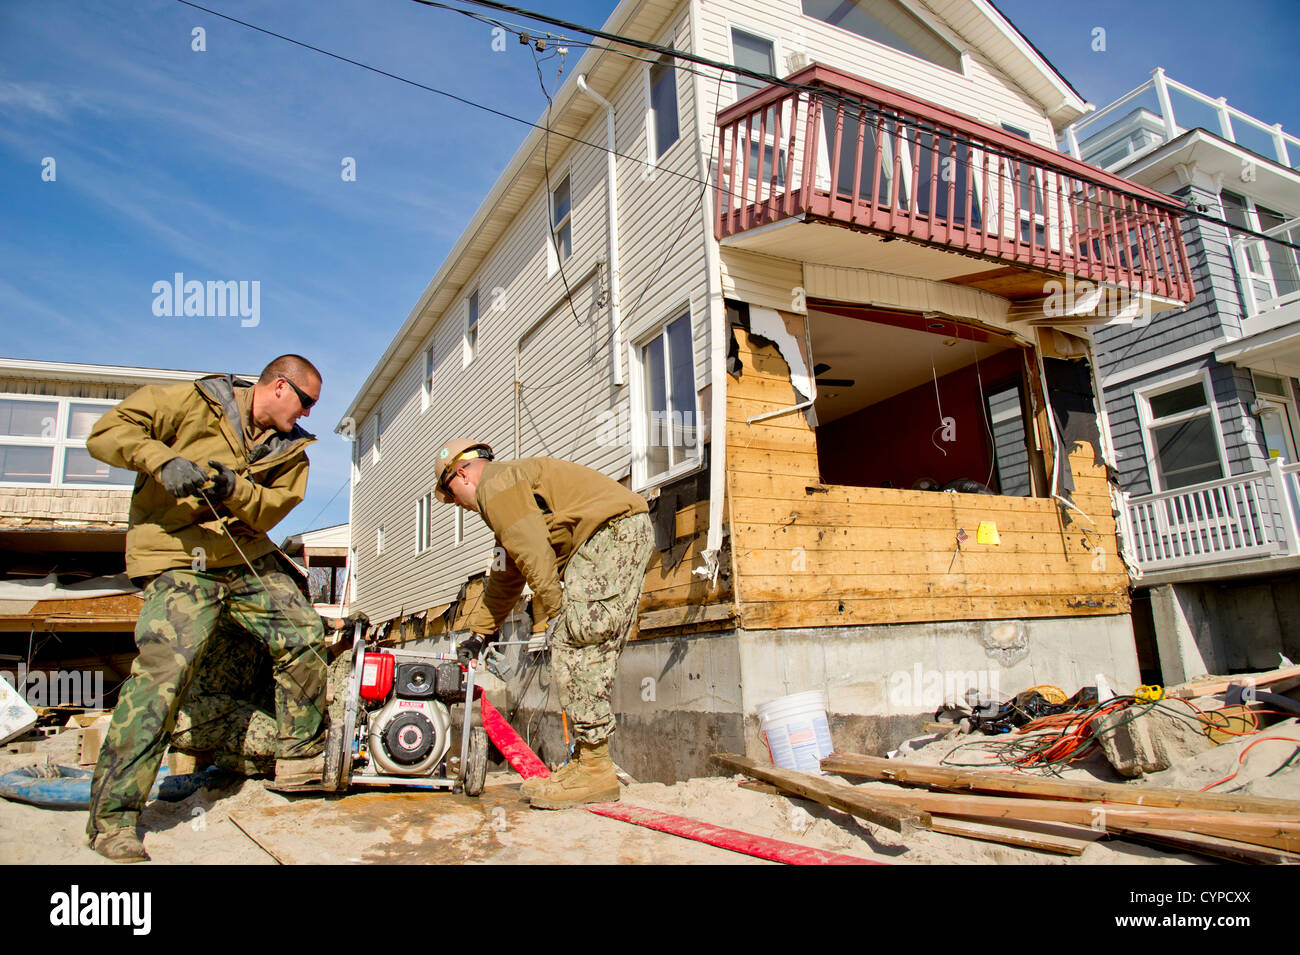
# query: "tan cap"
{"type": "Point", "coordinates": [453, 452]}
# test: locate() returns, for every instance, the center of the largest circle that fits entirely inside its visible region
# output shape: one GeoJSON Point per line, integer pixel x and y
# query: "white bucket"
{"type": "Point", "coordinates": [798, 735]}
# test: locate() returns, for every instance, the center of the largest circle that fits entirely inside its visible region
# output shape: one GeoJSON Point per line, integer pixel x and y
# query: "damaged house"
{"type": "Point", "coordinates": [836, 327]}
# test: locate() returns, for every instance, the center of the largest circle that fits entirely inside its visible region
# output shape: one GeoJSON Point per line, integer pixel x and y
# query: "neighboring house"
{"type": "Point", "coordinates": [789, 317]}
{"type": "Point", "coordinates": [1202, 401]}
{"type": "Point", "coordinates": [323, 556]}
{"type": "Point", "coordinates": [65, 602]}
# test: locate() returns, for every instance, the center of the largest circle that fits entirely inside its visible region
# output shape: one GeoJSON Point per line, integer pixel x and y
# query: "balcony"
{"type": "Point", "coordinates": [844, 152]}
{"type": "Point", "coordinates": [1249, 516]}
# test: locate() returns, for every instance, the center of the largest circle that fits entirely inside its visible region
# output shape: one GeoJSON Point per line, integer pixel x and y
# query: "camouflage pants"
{"type": "Point", "coordinates": [182, 611]}
{"type": "Point", "coordinates": [602, 587]}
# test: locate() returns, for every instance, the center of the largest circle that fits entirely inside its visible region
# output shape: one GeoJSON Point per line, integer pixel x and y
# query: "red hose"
{"type": "Point", "coordinates": [512, 746]}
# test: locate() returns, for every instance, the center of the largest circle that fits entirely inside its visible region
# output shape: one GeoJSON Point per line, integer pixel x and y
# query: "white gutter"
{"type": "Point", "coordinates": [718, 336]}
{"type": "Point", "coordinates": [611, 229]}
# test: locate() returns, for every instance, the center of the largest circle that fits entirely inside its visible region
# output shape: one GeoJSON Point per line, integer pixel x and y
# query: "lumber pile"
{"type": "Point", "coordinates": [1051, 815]}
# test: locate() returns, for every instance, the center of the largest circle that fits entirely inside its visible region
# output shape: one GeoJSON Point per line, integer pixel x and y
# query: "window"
{"type": "Point", "coordinates": [662, 122]}
{"type": "Point", "coordinates": [379, 540]}
{"type": "Point", "coordinates": [1277, 415]}
{"type": "Point", "coordinates": [887, 22]}
{"type": "Point", "coordinates": [458, 525]}
{"type": "Point", "coordinates": [43, 442]}
{"type": "Point", "coordinates": [426, 389]}
{"type": "Point", "coordinates": [561, 244]}
{"type": "Point", "coordinates": [752, 53]}
{"type": "Point", "coordinates": [469, 346]}
{"type": "Point", "coordinates": [1027, 190]}
{"type": "Point", "coordinates": [1269, 262]}
{"type": "Point", "coordinates": [1182, 435]}
{"type": "Point", "coordinates": [379, 430]}
{"type": "Point", "coordinates": [423, 523]}
{"type": "Point", "coordinates": [667, 432]}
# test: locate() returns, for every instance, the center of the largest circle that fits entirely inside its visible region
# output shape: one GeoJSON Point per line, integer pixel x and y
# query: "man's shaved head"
{"type": "Point", "coordinates": [294, 367]}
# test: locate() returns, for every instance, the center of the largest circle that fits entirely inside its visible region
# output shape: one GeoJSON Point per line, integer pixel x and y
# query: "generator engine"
{"type": "Point", "coordinates": [406, 723]}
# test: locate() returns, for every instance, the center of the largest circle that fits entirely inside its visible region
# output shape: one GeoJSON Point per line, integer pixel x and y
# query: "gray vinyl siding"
{"type": "Point", "coordinates": [1214, 313]}
{"type": "Point", "coordinates": [566, 373]}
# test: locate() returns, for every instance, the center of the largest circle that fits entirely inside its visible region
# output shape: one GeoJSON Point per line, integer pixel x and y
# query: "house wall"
{"type": "Point", "coordinates": [856, 556]}
{"type": "Point", "coordinates": [982, 91]}
{"type": "Point", "coordinates": [568, 405]}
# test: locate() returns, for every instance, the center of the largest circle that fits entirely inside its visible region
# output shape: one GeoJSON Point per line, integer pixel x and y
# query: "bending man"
{"type": "Point", "coordinates": [556, 519]}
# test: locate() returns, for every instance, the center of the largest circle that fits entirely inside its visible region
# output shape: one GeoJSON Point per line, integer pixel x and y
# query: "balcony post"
{"type": "Point", "coordinates": [1283, 495]}
{"type": "Point", "coordinates": [1166, 105]}
{"type": "Point", "coordinates": [1279, 141]}
{"type": "Point", "coordinates": [1225, 120]}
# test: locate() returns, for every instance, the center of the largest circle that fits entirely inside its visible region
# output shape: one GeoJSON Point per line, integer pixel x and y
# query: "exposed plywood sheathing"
{"type": "Point", "coordinates": [837, 555]}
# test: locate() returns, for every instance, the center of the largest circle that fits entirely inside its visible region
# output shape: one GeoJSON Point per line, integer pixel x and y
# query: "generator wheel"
{"type": "Point", "coordinates": [476, 764]}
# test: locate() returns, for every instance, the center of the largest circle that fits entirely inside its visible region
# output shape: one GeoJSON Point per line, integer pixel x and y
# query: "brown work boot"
{"type": "Point", "coordinates": [299, 775]}
{"type": "Point", "coordinates": [530, 786]}
{"type": "Point", "coordinates": [593, 781]}
{"type": "Point", "coordinates": [120, 845]}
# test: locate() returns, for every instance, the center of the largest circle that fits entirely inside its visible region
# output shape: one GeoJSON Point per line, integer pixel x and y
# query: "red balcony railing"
{"type": "Point", "coordinates": [843, 150]}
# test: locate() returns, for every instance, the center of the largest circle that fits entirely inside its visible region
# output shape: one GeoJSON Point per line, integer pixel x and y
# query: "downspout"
{"type": "Point", "coordinates": [718, 334]}
{"type": "Point", "coordinates": [611, 228]}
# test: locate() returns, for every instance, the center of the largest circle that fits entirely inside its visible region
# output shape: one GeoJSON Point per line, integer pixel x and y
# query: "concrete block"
{"type": "Point", "coordinates": [1150, 739]}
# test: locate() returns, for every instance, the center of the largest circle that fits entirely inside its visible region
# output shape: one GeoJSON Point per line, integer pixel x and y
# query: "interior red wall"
{"type": "Point", "coordinates": [889, 444]}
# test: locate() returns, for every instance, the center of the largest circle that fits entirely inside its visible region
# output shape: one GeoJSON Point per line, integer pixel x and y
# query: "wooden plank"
{"type": "Point", "coordinates": [1256, 828]}
{"type": "Point", "coordinates": [692, 520]}
{"type": "Point", "coordinates": [938, 511]}
{"type": "Point", "coordinates": [799, 463]}
{"type": "Point", "coordinates": [836, 795]}
{"type": "Point", "coordinates": [747, 536]}
{"type": "Point", "coordinates": [1208, 686]}
{"type": "Point", "coordinates": [1227, 849]}
{"type": "Point", "coordinates": [885, 563]}
{"type": "Point", "coordinates": [815, 585]}
{"type": "Point", "coordinates": [1062, 840]}
{"type": "Point", "coordinates": [781, 615]}
{"type": "Point", "coordinates": [763, 485]}
{"type": "Point", "coordinates": [1022, 784]}
{"type": "Point", "coordinates": [684, 616]}
{"type": "Point", "coordinates": [699, 591]}
{"type": "Point", "coordinates": [761, 847]}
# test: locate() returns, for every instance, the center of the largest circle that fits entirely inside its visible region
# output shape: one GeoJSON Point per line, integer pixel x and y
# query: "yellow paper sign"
{"type": "Point", "coordinates": [987, 533]}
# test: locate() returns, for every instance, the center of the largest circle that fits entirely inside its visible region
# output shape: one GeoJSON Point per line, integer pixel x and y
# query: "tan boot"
{"type": "Point", "coordinates": [120, 845]}
{"type": "Point", "coordinates": [528, 789]}
{"type": "Point", "coordinates": [593, 781]}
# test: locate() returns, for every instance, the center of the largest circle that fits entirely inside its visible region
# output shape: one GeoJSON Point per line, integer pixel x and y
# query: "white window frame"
{"type": "Point", "coordinates": [653, 153]}
{"type": "Point", "coordinates": [733, 25]}
{"type": "Point", "coordinates": [1286, 402]}
{"type": "Point", "coordinates": [553, 259]}
{"type": "Point", "coordinates": [379, 430]}
{"type": "Point", "coordinates": [472, 315]}
{"type": "Point", "coordinates": [423, 523]}
{"type": "Point", "coordinates": [1147, 422]}
{"type": "Point", "coordinates": [458, 525]}
{"type": "Point", "coordinates": [379, 541]}
{"type": "Point", "coordinates": [356, 458]}
{"type": "Point", "coordinates": [426, 387]}
{"type": "Point", "coordinates": [641, 480]}
{"type": "Point", "coordinates": [60, 443]}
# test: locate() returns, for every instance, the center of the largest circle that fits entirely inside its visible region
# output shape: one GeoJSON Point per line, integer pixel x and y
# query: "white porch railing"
{"type": "Point", "coordinates": [1245, 516]}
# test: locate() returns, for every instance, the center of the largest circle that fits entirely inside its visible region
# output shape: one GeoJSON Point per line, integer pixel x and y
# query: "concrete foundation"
{"type": "Point", "coordinates": [680, 699]}
{"type": "Point", "coordinates": [1225, 626]}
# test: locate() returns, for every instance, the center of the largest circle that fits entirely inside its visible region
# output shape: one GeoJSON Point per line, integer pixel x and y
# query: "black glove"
{"type": "Point", "coordinates": [470, 649]}
{"type": "Point", "coordinates": [223, 482]}
{"type": "Point", "coordinates": [181, 477]}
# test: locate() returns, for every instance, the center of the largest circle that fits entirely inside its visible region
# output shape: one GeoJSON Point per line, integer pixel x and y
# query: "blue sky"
{"type": "Point", "coordinates": [226, 164]}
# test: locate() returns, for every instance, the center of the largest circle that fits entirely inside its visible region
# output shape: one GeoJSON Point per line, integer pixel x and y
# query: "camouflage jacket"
{"type": "Point", "coordinates": [200, 421]}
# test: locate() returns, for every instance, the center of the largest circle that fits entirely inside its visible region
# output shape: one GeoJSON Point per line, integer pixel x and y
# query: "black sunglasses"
{"type": "Point", "coordinates": [303, 399]}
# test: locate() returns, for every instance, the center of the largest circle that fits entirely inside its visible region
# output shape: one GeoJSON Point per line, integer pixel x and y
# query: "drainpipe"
{"type": "Point", "coordinates": [611, 228]}
{"type": "Point", "coordinates": [717, 313]}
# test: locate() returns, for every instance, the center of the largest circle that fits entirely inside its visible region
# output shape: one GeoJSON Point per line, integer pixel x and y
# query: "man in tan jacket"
{"type": "Point", "coordinates": [198, 546]}
{"type": "Point", "coordinates": [558, 520]}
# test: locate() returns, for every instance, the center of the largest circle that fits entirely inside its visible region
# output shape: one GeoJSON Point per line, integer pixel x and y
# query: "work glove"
{"type": "Point", "coordinates": [223, 482]}
{"type": "Point", "coordinates": [181, 477]}
{"type": "Point", "coordinates": [471, 648]}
